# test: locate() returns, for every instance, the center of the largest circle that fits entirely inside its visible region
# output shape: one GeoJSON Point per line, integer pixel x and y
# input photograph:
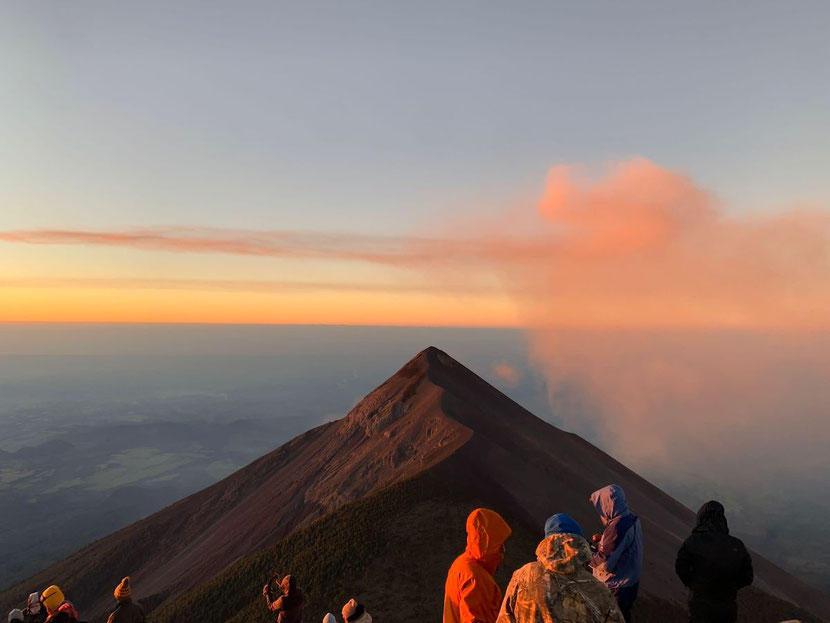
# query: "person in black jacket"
{"type": "Point", "coordinates": [713, 565]}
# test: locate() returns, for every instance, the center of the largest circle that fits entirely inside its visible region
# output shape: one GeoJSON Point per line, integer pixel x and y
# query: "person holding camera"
{"type": "Point", "coordinates": [289, 604]}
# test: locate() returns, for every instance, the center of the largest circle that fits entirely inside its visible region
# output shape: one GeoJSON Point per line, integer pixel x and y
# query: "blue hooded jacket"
{"type": "Point", "coordinates": [619, 559]}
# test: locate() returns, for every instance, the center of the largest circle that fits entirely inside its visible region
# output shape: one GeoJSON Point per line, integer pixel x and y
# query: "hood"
{"type": "Point", "coordinates": [288, 585]}
{"type": "Point", "coordinates": [486, 533]}
{"type": "Point", "coordinates": [33, 603]}
{"type": "Point", "coordinates": [52, 597]}
{"type": "Point", "coordinates": [564, 554]}
{"type": "Point", "coordinates": [562, 523]}
{"type": "Point", "coordinates": [711, 518]}
{"type": "Point", "coordinates": [610, 502]}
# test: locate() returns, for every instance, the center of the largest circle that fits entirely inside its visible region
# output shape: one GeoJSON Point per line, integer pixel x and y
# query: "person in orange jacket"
{"type": "Point", "coordinates": [471, 595]}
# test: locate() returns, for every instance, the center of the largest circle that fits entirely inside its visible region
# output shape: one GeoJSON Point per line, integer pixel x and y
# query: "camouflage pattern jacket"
{"type": "Point", "coordinates": [559, 587]}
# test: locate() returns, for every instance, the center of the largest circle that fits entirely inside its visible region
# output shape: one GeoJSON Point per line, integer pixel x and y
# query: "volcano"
{"type": "Point", "coordinates": [373, 505]}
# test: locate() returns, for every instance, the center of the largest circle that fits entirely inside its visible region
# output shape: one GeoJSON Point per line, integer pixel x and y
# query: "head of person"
{"type": "Point", "coordinates": [33, 603]}
{"type": "Point", "coordinates": [564, 549]}
{"type": "Point", "coordinates": [610, 503]}
{"type": "Point", "coordinates": [52, 598]}
{"type": "Point", "coordinates": [288, 585]}
{"type": "Point", "coordinates": [16, 615]}
{"type": "Point", "coordinates": [329, 618]}
{"type": "Point", "coordinates": [712, 518]}
{"type": "Point", "coordinates": [562, 523]}
{"type": "Point", "coordinates": [354, 612]}
{"type": "Point", "coordinates": [123, 591]}
{"type": "Point", "coordinates": [486, 534]}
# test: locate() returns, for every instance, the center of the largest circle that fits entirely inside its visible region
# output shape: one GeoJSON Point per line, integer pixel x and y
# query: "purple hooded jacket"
{"type": "Point", "coordinates": [619, 559]}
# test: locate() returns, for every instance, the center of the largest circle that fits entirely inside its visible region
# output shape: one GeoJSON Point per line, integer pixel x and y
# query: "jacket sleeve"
{"type": "Point", "coordinates": [684, 564]}
{"type": "Point", "coordinates": [607, 545]}
{"type": "Point", "coordinates": [507, 614]}
{"type": "Point", "coordinates": [745, 574]}
{"type": "Point", "coordinates": [469, 604]}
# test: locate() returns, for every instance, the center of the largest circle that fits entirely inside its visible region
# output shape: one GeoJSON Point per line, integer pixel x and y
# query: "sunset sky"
{"type": "Point", "coordinates": [466, 163]}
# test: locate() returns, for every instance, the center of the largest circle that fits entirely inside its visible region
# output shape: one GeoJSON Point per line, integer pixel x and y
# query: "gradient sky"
{"type": "Point", "coordinates": [374, 119]}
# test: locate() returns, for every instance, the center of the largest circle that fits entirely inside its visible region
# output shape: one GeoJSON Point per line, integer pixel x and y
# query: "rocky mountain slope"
{"type": "Point", "coordinates": [433, 422]}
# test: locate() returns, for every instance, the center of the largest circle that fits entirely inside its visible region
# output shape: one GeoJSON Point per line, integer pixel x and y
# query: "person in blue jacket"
{"type": "Point", "coordinates": [618, 560]}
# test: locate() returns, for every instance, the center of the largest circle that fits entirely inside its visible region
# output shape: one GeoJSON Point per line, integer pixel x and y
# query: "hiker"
{"type": "Point", "coordinates": [354, 612]}
{"type": "Point", "coordinates": [15, 615]}
{"type": "Point", "coordinates": [471, 595]}
{"type": "Point", "coordinates": [713, 565]}
{"type": "Point", "coordinates": [34, 612]}
{"type": "Point", "coordinates": [289, 605]}
{"type": "Point", "coordinates": [559, 585]}
{"type": "Point", "coordinates": [618, 560]}
{"type": "Point", "coordinates": [127, 611]}
{"type": "Point", "coordinates": [59, 609]}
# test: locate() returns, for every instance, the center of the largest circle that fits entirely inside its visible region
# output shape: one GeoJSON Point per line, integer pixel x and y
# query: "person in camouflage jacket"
{"type": "Point", "coordinates": [559, 586]}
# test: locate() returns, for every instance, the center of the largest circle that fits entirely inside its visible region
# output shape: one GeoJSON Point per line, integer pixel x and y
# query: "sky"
{"type": "Point", "coordinates": [320, 162]}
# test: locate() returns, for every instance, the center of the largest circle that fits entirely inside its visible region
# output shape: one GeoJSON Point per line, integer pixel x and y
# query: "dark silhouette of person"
{"type": "Point", "coordinates": [713, 565]}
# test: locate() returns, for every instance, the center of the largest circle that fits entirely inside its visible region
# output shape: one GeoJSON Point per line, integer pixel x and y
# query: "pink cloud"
{"type": "Point", "coordinates": [507, 374]}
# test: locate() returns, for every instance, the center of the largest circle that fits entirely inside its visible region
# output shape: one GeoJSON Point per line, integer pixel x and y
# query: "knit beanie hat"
{"type": "Point", "coordinates": [354, 612]}
{"type": "Point", "coordinates": [562, 524]}
{"type": "Point", "coordinates": [122, 591]}
{"type": "Point", "coordinates": [52, 598]}
{"type": "Point", "coordinates": [15, 615]}
{"type": "Point", "coordinates": [329, 618]}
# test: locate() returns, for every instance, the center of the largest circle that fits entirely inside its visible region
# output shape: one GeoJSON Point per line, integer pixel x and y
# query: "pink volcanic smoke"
{"type": "Point", "coordinates": [699, 342]}
{"type": "Point", "coordinates": [645, 247]}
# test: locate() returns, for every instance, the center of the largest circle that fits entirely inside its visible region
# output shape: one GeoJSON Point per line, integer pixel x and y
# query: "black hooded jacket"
{"type": "Point", "coordinates": [713, 564]}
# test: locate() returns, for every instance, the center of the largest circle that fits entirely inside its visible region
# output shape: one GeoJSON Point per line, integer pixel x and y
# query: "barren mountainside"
{"type": "Point", "coordinates": [433, 421]}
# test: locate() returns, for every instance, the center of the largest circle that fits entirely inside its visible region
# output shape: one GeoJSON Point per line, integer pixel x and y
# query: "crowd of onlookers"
{"type": "Point", "coordinates": [571, 579]}
{"type": "Point", "coordinates": [598, 582]}
{"type": "Point", "coordinates": [51, 606]}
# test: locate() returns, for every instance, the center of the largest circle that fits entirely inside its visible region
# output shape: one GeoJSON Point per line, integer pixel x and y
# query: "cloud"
{"type": "Point", "coordinates": [375, 249]}
{"type": "Point", "coordinates": [240, 285]}
{"type": "Point", "coordinates": [678, 334]}
{"type": "Point", "coordinates": [506, 373]}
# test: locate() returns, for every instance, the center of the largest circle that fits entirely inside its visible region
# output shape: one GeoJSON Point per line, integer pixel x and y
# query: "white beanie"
{"type": "Point", "coordinates": [15, 615]}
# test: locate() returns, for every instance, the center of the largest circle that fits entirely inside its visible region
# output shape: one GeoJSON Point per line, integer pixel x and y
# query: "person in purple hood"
{"type": "Point", "coordinates": [618, 560]}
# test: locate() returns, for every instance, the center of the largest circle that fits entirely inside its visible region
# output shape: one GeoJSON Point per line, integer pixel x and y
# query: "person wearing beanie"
{"type": "Point", "coordinates": [559, 585]}
{"type": "Point", "coordinates": [127, 611]}
{"type": "Point", "coordinates": [60, 610]}
{"type": "Point", "coordinates": [354, 612]}
{"type": "Point", "coordinates": [16, 615]}
{"type": "Point", "coordinates": [289, 605]}
{"type": "Point", "coordinates": [471, 595]}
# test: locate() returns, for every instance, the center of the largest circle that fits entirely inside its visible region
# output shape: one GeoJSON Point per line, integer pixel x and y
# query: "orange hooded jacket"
{"type": "Point", "coordinates": [471, 595]}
